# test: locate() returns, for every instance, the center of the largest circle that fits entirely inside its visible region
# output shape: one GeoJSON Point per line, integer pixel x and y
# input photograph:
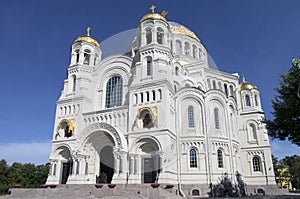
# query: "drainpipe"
{"type": "Point", "coordinates": [181, 193]}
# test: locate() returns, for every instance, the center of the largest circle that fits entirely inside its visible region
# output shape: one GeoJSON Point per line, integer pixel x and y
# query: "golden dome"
{"type": "Point", "coordinates": [178, 28]}
{"type": "Point", "coordinates": [87, 38]}
{"type": "Point", "coordinates": [154, 15]}
{"type": "Point", "coordinates": [246, 85]}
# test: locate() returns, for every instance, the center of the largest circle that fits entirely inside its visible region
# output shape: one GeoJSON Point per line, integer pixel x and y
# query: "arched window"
{"type": "Point", "coordinates": [142, 97]}
{"type": "Point", "coordinates": [216, 118]}
{"type": "Point", "coordinates": [87, 56]}
{"type": "Point", "coordinates": [136, 98]}
{"type": "Point", "coordinates": [160, 94]}
{"type": "Point", "coordinates": [214, 84]}
{"type": "Point", "coordinates": [255, 100]}
{"type": "Point", "coordinates": [74, 83]}
{"type": "Point", "coordinates": [195, 192]}
{"type": "Point", "coordinates": [148, 35]}
{"type": "Point", "coordinates": [114, 89]}
{"type": "Point", "coordinates": [176, 70]}
{"type": "Point", "coordinates": [256, 164]}
{"type": "Point", "coordinates": [193, 158]}
{"type": "Point", "coordinates": [153, 95]}
{"type": "Point", "coordinates": [149, 66]}
{"type": "Point", "coordinates": [208, 84]}
{"type": "Point", "coordinates": [160, 35]}
{"type": "Point", "coordinates": [95, 59]}
{"type": "Point", "coordinates": [178, 47]}
{"type": "Point", "coordinates": [200, 54]}
{"type": "Point", "coordinates": [77, 55]}
{"type": "Point", "coordinates": [194, 51]}
{"type": "Point", "coordinates": [231, 90]}
{"type": "Point", "coordinates": [147, 96]}
{"type": "Point", "coordinates": [191, 123]}
{"type": "Point", "coordinates": [187, 48]}
{"type": "Point", "coordinates": [226, 90]}
{"type": "Point", "coordinates": [247, 99]}
{"type": "Point", "coordinates": [253, 131]}
{"type": "Point", "coordinates": [220, 158]}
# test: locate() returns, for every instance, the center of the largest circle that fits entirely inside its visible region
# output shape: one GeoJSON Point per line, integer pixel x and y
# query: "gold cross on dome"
{"type": "Point", "coordinates": [164, 13]}
{"type": "Point", "coordinates": [88, 31]}
{"type": "Point", "coordinates": [152, 8]}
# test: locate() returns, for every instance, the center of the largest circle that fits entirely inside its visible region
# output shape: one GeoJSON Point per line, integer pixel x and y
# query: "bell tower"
{"type": "Point", "coordinates": [151, 110]}
{"type": "Point", "coordinates": [85, 55]}
{"type": "Point", "coordinates": [153, 35]}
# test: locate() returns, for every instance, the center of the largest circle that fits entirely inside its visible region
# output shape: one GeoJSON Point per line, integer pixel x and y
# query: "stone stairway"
{"type": "Point", "coordinates": [139, 191]}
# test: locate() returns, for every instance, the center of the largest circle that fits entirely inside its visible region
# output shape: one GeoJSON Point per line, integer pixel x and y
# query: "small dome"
{"type": "Point", "coordinates": [178, 28]}
{"type": "Point", "coordinates": [154, 15]}
{"type": "Point", "coordinates": [87, 38]}
{"type": "Point", "coordinates": [246, 85]}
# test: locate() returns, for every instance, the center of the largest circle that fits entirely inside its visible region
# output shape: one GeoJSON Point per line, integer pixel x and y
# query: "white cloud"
{"type": "Point", "coordinates": [34, 152]}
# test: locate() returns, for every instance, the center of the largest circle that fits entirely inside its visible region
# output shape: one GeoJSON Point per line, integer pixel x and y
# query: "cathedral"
{"type": "Point", "coordinates": [156, 113]}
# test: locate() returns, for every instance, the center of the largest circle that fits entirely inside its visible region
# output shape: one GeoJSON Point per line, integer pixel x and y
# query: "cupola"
{"type": "Point", "coordinates": [87, 38]}
{"type": "Point", "coordinates": [246, 85]}
{"type": "Point", "coordinates": [154, 15]}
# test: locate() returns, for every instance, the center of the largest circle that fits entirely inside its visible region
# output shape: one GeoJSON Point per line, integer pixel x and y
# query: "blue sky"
{"type": "Point", "coordinates": [257, 38]}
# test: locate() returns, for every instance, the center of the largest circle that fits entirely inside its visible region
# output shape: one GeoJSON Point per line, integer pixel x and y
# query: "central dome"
{"type": "Point", "coordinates": [178, 28]}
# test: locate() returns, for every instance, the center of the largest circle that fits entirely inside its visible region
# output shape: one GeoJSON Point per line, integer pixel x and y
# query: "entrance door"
{"type": "Point", "coordinates": [149, 170]}
{"type": "Point", "coordinates": [106, 165]}
{"type": "Point", "coordinates": [65, 172]}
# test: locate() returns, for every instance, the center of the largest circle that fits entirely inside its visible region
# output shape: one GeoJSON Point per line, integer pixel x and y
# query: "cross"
{"type": "Point", "coordinates": [164, 13]}
{"type": "Point", "coordinates": [88, 31]}
{"type": "Point", "coordinates": [152, 8]}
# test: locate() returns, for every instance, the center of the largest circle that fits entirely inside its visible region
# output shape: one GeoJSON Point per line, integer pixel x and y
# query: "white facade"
{"type": "Point", "coordinates": [156, 113]}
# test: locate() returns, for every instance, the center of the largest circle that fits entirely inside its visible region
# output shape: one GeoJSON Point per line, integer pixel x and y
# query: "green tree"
{"type": "Point", "coordinates": [4, 184]}
{"type": "Point", "coordinates": [293, 164]}
{"type": "Point", "coordinates": [286, 122]}
{"type": "Point", "coordinates": [41, 173]}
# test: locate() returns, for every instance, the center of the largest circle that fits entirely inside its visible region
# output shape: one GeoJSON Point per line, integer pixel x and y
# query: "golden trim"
{"type": "Point", "coordinates": [184, 31]}
{"type": "Point", "coordinates": [246, 86]}
{"type": "Point", "coordinates": [152, 111]}
{"type": "Point", "coordinates": [87, 39]}
{"type": "Point", "coordinates": [65, 122]}
{"type": "Point", "coordinates": [153, 16]}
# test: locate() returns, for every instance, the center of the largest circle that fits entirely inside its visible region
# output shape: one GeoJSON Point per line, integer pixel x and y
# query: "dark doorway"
{"type": "Point", "coordinates": [106, 165]}
{"type": "Point", "coordinates": [149, 170]}
{"type": "Point", "coordinates": [65, 172]}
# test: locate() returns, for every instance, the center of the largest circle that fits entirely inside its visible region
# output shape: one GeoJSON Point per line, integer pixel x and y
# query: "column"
{"type": "Point", "coordinates": [81, 57]}
{"type": "Point", "coordinates": [154, 36]}
{"type": "Point", "coordinates": [143, 38]}
{"type": "Point", "coordinates": [116, 164]}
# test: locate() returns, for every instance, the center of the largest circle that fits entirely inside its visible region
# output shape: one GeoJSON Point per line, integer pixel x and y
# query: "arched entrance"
{"type": "Point", "coordinates": [106, 165]}
{"type": "Point", "coordinates": [66, 164]}
{"type": "Point", "coordinates": [99, 148]}
{"type": "Point", "coordinates": [150, 160]}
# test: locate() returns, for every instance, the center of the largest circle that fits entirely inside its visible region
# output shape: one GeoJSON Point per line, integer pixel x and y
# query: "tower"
{"type": "Point", "coordinates": [151, 108]}
{"type": "Point", "coordinates": [255, 146]}
{"type": "Point", "coordinates": [75, 97]}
